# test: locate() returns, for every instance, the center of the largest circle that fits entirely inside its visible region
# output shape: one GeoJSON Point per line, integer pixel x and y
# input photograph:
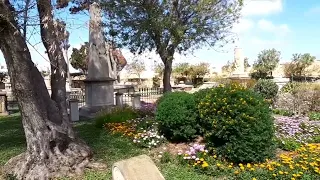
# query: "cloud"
{"type": "Point", "coordinates": [264, 42]}
{"type": "Point", "coordinates": [281, 30]}
{"type": "Point", "coordinates": [243, 26]}
{"type": "Point", "coordinates": [262, 7]}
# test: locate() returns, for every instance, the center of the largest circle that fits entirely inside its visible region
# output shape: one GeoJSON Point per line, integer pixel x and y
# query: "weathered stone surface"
{"type": "Point", "coordinates": [136, 168]}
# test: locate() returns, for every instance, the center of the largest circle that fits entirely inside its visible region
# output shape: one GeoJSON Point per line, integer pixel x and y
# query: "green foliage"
{"type": "Point", "coordinates": [267, 61]}
{"type": "Point", "coordinates": [176, 115]}
{"type": "Point", "coordinates": [156, 82]}
{"type": "Point", "coordinates": [290, 87]}
{"type": "Point", "coordinates": [267, 88]}
{"type": "Point", "coordinates": [115, 115]}
{"type": "Point", "coordinates": [201, 94]}
{"type": "Point", "coordinates": [194, 73]}
{"type": "Point", "coordinates": [238, 123]}
{"type": "Point", "coordinates": [314, 116]}
{"type": "Point", "coordinates": [282, 112]}
{"type": "Point", "coordinates": [79, 57]}
{"type": "Point", "coordinates": [297, 67]}
{"type": "Point", "coordinates": [168, 25]}
{"type": "Point", "coordinates": [289, 144]}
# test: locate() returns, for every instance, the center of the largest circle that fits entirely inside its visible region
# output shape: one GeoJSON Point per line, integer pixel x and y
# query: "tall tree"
{"type": "Point", "coordinates": [170, 27]}
{"type": "Point", "coordinates": [181, 69]}
{"type": "Point", "coordinates": [228, 68]}
{"type": "Point", "coordinates": [246, 63]}
{"type": "Point", "coordinates": [267, 61]}
{"type": "Point", "coordinates": [79, 58]}
{"type": "Point", "coordinates": [136, 67]}
{"type": "Point", "coordinates": [52, 148]}
{"type": "Point", "coordinates": [199, 70]}
{"type": "Point", "coordinates": [297, 67]}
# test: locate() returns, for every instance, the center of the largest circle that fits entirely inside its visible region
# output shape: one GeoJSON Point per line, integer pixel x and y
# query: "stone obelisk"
{"type": "Point", "coordinates": [99, 89]}
{"type": "Point", "coordinates": [239, 71]}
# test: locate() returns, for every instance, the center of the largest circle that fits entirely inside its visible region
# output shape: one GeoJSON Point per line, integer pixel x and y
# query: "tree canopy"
{"type": "Point", "coordinates": [298, 65]}
{"type": "Point", "coordinates": [79, 58]}
{"type": "Point", "coordinates": [136, 67]}
{"type": "Point", "coordinates": [170, 26]}
{"type": "Point", "coordinates": [267, 61]}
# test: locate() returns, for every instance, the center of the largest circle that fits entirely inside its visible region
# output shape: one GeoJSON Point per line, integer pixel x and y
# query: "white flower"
{"type": "Point", "coordinates": [160, 152]}
{"type": "Point", "coordinates": [185, 157]}
{"type": "Point", "coordinates": [158, 137]}
{"type": "Point", "coordinates": [134, 141]}
{"type": "Point", "coordinates": [164, 148]}
{"type": "Point", "coordinates": [206, 151]}
{"type": "Point", "coordinates": [144, 131]}
{"type": "Point", "coordinates": [138, 141]}
{"type": "Point", "coordinates": [160, 156]}
{"type": "Point", "coordinates": [197, 159]}
{"type": "Point", "coordinates": [193, 157]}
{"type": "Point", "coordinates": [179, 153]}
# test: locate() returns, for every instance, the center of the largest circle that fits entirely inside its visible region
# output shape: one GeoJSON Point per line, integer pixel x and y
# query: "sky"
{"type": "Point", "coordinates": [290, 26]}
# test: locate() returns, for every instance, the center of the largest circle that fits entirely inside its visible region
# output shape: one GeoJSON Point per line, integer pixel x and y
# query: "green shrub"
{"type": "Point", "coordinates": [289, 144]}
{"type": "Point", "coordinates": [314, 116]}
{"type": "Point", "coordinates": [115, 115]}
{"type": "Point", "coordinates": [177, 116]}
{"type": "Point", "coordinates": [199, 95]}
{"type": "Point", "coordinates": [282, 112]}
{"type": "Point", "coordinates": [239, 124]}
{"type": "Point", "coordinates": [267, 88]}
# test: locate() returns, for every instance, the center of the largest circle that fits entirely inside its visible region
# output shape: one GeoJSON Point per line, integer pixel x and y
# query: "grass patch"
{"type": "Point", "coordinates": [108, 148]}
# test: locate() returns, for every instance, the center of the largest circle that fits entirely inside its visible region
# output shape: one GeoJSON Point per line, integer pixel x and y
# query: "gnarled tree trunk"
{"type": "Point", "coordinates": [51, 149]}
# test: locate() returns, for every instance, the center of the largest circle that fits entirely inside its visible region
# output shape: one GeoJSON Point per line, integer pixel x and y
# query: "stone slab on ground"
{"type": "Point", "coordinates": [137, 168]}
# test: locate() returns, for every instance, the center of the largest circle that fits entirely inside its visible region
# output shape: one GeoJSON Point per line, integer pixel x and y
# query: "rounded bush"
{"type": "Point", "coordinates": [239, 124]}
{"type": "Point", "coordinates": [267, 88]}
{"type": "Point", "coordinates": [177, 115]}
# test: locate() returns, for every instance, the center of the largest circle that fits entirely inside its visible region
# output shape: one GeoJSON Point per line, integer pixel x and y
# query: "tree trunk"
{"type": "Point", "coordinates": [167, 75]}
{"type": "Point", "coordinates": [51, 151]}
{"type": "Point", "coordinates": [51, 35]}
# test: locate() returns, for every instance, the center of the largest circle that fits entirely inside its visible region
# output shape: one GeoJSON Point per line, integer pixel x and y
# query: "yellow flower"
{"type": "Point", "coordinates": [230, 166]}
{"type": "Point", "coordinates": [254, 179]}
{"type": "Point", "coordinates": [201, 159]}
{"type": "Point", "coordinates": [242, 168]}
{"type": "Point", "coordinates": [274, 175]}
{"type": "Point", "coordinates": [248, 165]}
{"type": "Point", "coordinates": [280, 172]}
{"type": "Point", "coordinates": [236, 172]}
{"type": "Point", "coordinates": [215, 156]}
{"type": "Point", "coordinates": [205, 164]}
{"type": "Point", "coordinates": [293, 179]}
{"type": "Point", "coordinates": [252, 169]}
{"type": "Point", "coordinates": [218, 164]}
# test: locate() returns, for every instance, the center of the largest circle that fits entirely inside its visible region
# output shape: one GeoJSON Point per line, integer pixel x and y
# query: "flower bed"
{"type": "Point", "coordinates": [301, 164]}
{"type": "Point", "coordinates": [296, 130]}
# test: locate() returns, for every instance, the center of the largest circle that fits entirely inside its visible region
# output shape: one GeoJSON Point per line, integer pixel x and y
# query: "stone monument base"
{"type": "Point", "coordinates": [99, 95]}
{"type": "Point", "coordinates": [240, 76]}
